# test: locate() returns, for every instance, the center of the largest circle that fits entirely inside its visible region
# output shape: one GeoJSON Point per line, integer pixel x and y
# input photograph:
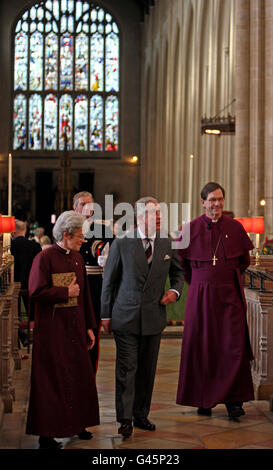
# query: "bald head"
{"type": "Point", "coordinates": [21, 228]}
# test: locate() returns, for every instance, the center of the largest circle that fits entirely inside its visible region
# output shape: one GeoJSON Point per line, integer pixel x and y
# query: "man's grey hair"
{"type": "Point", "coordinates": [77, 196]}
{"type": "Point", "coordinates": [141, 203]}
{"type": "Point", "coordinates": [69, 222]}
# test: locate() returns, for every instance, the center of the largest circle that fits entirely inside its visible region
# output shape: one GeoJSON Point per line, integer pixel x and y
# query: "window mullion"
{"type": "Point", "coordinates": [49, 18]}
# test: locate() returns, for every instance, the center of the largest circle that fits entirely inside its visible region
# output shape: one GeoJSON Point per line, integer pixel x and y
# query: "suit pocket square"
{"type": "Point", "coordinates": [166, 257]}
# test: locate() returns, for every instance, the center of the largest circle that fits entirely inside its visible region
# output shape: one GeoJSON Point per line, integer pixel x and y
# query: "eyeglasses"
{"type": "Point", "coordinates": [214, 199]}
{"type": "Point", "coordinates": [79, 236]}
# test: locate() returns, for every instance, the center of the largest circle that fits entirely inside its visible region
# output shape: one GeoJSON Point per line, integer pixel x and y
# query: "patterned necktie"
{"type": "Point", "coordinates": [148, 249]}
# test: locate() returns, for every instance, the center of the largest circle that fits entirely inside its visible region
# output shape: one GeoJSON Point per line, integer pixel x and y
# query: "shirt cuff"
{"type": "Point", "coordinates": [176, 291]}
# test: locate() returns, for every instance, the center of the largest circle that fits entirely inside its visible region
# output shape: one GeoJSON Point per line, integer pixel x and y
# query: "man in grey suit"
{"type": "Point", "coordinates": [133, 307]}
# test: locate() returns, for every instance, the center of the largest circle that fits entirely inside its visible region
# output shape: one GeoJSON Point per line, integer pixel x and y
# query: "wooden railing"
{"type": "Point", "coordinates": [259, 297]}
{"type": "Point", "coordinates": [9, 353]}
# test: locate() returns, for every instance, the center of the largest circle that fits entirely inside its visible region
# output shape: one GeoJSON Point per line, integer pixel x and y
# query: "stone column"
{"type": "Point", "coordinates": [241, 161]}
{"type": "Point", "coordinates": [256, 122]}
{"type": "Point", "coordinates": [268, 165]}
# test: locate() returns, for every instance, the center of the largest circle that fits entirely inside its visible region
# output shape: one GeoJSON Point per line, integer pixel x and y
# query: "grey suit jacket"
{"type": "Point", "coordinates": [131, 291]}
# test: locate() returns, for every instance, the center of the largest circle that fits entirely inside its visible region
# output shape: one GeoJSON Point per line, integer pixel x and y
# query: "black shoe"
{"type": "Point", "coordinates": [49, 443]}
{"type": "Point", "coordinates": [235, 410]}
{"type": "Point", "coordinates": [144, 423]}
{"type": "Point", "coordinates": [204, 411]}
{"type": "Point", "coordinates": [85, 435]}
{"type": "Point", "coordinates": [126, 428]}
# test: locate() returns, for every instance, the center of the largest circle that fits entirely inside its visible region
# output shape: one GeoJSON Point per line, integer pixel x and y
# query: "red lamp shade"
{"type": "Point", "coordinates": [257, 225]}
{"type": "Point", "coordinates": [246, 223]}
{"type": "Point", "coordinates": [252, 224]}
{"type": "Point", "coordinates": [7, 224]}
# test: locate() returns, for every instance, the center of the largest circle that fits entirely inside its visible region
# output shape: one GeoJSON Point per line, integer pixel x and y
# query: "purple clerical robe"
{"type": "Point", "coordinates": [63, 397]}
{"type": "Point", "coordinates": [216, 351]}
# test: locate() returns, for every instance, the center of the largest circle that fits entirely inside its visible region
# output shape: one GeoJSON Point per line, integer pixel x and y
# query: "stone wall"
{"type": "Point", "coordinates": [188, 59]}
{"type": "Point", "coordinates": [197, 56]}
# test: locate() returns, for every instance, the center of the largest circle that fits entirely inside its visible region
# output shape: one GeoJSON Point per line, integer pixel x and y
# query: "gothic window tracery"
{"type": "Point", "coordinates": [66, 78]}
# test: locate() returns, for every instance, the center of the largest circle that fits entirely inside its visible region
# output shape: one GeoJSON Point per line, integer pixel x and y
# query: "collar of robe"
{"type": "Point", "coordinates": [66, 250]}
{"type": "Point", "coordinates": [234, 238]}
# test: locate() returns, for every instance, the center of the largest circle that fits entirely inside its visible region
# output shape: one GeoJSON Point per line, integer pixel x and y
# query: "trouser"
{"type": "Point", "coordinates": [136, 359]}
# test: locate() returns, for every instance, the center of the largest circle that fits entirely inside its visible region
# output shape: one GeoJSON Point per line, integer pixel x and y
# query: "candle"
{"type": "Point", "coordinates": [6, 243]}
{"type": "Point", "coordinates": [10, 185]}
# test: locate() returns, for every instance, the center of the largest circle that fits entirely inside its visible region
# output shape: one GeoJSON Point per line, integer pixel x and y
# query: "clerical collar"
{"type": "Point", "coordinates": [209, 220]}
{"type": "Point", "coordinates": [67, 251]}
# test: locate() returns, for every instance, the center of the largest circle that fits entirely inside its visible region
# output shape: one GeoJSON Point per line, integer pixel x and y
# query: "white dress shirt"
{"type": "Point", "coordinates": [152, 241]}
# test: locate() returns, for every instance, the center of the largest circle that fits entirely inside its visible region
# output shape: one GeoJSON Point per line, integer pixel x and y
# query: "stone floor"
{"type": "Point", "coordinates": [177, 427]}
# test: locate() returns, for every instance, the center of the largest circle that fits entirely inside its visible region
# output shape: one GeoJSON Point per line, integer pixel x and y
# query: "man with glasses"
{"type": "Point", "coordinates": [216, 351]}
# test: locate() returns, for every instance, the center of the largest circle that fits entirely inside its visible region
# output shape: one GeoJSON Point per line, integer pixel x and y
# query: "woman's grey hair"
{"type": "Point", "coordinates": [69, 222]}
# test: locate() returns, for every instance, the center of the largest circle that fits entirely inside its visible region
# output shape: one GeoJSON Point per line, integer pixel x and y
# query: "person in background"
{"type": "Point", "coordinates": [24, 252]}
{"type": "Point", "coordinates": [45, 242]}
{"type": "Point", "coordinates": [38, 234]}
{"type": "Point", "coordinates": [92, 250]}
{"type": "Point", "coordinates": [63, 396]}
{"type": "Point", "coordinates": [216, 351]}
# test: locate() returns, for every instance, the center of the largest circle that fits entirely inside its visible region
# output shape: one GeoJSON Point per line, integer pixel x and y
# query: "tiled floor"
{"type": "Point", "coordinates": [177, 427]}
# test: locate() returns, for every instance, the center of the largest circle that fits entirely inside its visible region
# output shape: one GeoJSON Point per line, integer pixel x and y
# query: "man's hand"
{"type": "Point", "coordinates": [107, 326]}
{"type": "Point", "coordinates": [169, 297]}
{"type": "Point", "coordinates": [74, 288]}
{"type": "Point", "coordinates": [91, 339]}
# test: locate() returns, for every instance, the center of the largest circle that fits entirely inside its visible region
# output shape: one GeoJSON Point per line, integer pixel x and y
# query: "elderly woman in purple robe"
{"type": "Point", "coordinates": [216, 351]}
{"type": "Point", "coordinates": [63, 398]}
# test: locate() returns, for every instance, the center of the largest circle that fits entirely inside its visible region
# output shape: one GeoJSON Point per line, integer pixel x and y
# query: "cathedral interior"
{"type": "Point", "coordinates": [131, 98]}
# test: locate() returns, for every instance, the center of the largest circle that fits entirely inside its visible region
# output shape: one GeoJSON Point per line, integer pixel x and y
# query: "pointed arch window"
{"type": "Point", "coordinates": [66, 79]}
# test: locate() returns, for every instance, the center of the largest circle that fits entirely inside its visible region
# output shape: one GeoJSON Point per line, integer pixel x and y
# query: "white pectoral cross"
{"type": "Point", "coordinates": [214, 259]}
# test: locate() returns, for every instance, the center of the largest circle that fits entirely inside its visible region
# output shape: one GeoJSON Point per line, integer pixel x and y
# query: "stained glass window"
{"type": "Point", "coordinates": [96, 123]}
{"type": "Point", "coordinates": [19, 122]}
{"type": "Point", "coordinates": [81, 62]}
{"type": "Point", "coordinates": [20, 61]}
{"type": "Point", "coordinates": [35, 113]}
{"type": "Point", "coordinates": [66, 78]}
{"type": "Point", "coordinates": [111, 126]}
{"type": "Point", "coordinates": [51, 61]}
{"type": "Point", "coordinates": [50, 127]}
{"type": "Point", "coordinates": [81, 123]}
{"type": "Point", "coordinates": [66, 122]}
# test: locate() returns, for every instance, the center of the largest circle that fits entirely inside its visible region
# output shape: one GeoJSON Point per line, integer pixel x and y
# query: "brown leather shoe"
{"type": "Point", "coordinates": [144, 423]}
{"type": "Point", "coordinates": [126, 428]}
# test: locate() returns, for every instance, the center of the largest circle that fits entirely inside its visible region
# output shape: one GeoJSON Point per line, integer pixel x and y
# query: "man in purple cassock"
{"type": "Point", "coordinates": [216, 351]}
